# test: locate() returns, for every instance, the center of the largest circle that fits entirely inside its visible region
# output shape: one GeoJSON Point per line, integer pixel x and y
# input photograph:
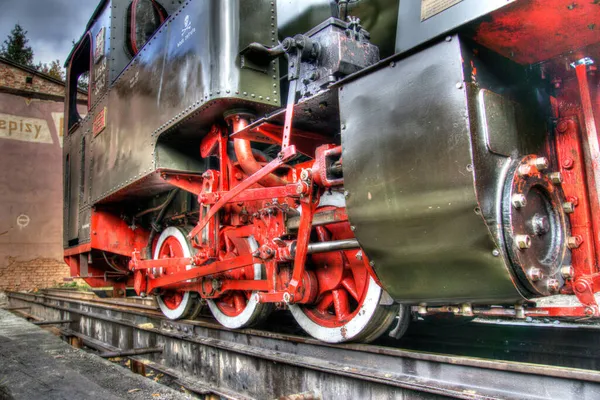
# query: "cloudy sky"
{"type": "Point", "coordinates": [51, 24]}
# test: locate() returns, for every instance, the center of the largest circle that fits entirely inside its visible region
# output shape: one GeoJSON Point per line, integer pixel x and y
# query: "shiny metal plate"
{"type": "Point", "coordinates": [409, 170]}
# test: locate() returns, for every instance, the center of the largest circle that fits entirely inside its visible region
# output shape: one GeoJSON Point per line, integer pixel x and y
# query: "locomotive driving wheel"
{"type": "Point", "coordinates": [348, 304]}
{"type": "Point", "coordinates": [175, 304]}
{"type": "Point", "coordinates": [240, 308]}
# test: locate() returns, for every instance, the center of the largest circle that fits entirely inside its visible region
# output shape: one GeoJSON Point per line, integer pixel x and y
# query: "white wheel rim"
{"type": "Point", "coordinates": [179, 235]}
{"type": "Point", "coordinates": [348, 331]}
{"type": "Point", "coordinates": [245, 317]}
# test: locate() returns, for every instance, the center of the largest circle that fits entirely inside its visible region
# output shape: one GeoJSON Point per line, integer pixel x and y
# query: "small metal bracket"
{"type": "Point", "coordinates": [179, 328]}
{"type": "Point", "coordinates": [582, 61]}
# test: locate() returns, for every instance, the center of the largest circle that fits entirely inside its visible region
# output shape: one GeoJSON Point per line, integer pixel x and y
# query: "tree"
{"type": "Point", "coordinates": [15, 47]}
{"type": "Point", "coordinates": [55, 69]}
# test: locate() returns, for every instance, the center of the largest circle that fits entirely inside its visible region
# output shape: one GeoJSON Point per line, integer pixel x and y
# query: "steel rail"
{"type": "Point", "coordinates": [237, 361]}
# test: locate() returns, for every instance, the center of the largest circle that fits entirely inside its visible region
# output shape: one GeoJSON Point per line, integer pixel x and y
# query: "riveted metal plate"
{"type": "Point", "coordinates": [409, 170]}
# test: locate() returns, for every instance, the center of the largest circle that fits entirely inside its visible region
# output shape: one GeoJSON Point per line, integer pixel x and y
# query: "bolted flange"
{"type": "Point", "coordinates": [535, 226]}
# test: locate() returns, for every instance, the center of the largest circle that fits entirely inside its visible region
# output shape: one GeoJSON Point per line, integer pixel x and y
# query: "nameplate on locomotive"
{"type": "Point", "coordinates": [99, 122]}
{"type": "Point", "coordinates": [429, 8]}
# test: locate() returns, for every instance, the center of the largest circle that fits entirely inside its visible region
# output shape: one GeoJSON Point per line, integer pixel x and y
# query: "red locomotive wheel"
{"type": "Point", "coordinates": [338, 304]}
{"type": "Point", "coordinates": [174, 304]}
{"type": "Point", "coordinates": [348, 306]}
{"type": "Point", "coordinates": [239, 309]}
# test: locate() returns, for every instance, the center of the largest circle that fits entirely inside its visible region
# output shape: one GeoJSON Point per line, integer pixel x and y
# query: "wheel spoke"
{"type": "Point", "coordinates": [348, 284]}
{"type": "Point", "coordinates": [340, 303]}
{"type": "Point", "coordinates": [325, 303]}
{"type": "Point", "coordinates": [239, 302]}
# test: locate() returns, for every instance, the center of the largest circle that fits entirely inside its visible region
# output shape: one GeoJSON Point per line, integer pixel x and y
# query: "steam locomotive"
{"type": "Point", "coordinates": [354, 162]}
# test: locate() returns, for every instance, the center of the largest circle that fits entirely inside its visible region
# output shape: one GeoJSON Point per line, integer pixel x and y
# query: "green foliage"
{"type": "Point", "coordinates": [15, 47]}
{"type": "Point", "coordinates": [55, 69]}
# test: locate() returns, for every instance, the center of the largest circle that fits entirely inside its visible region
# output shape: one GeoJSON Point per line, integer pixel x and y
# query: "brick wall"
{"type": "Point", "coordinates": [31, 254]}
{"type": "Point", "coordinates": [32, 274]}
{"type": "Point", "coordinates": [14, 77]}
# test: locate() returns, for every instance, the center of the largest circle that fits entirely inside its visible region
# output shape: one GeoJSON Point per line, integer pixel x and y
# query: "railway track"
{"type": "Point", "coordinates": [473, 361]}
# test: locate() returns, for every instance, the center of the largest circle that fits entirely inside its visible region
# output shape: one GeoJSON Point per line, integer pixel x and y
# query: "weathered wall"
{"type": "Point", "coordinates": [30, 193]}
{"type": "Point", "coordinates": [15, 78]}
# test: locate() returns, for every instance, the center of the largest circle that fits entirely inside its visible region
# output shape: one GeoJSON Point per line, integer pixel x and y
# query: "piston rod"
{"type": "Point", "coordinates": [335, 245]}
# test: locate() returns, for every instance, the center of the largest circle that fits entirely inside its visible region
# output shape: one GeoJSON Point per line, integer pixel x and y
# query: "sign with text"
{"type": "Point", "coordinates": [24, 129]}
{"type": "Point", "coordinates": [59, 123]}
{"type": "Point", "coordinates": [429, 8]}
{"type": "Point", "coordinates": [99, 45]}
{"type": "Point", "coordinates": [99, 122]}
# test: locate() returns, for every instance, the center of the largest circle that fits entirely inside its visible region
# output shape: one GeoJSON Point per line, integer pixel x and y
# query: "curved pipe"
{"type": "Point", "coordinates": [243, 152]}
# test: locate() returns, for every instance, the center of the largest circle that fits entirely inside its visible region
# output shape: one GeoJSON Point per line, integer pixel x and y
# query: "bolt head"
{"type": "Point", "coordinates": [568, 163]}
{"type": "Point", "coordinates": [535, 274]}
{"type": "Point", "coordinates": [524, 171]}
{"type": "Point", "coordinates": [562, 126]}
{"type": "Point", "coordinates": [553, 285]}
{"type": "Point", "coordinates": [581, 286]}
{"type": "Point", "coordinates": [540, 224]}
{"type": "Point", "coordinates": [568, 207]}
{"type": "Point", "coordinates": [359, 256]}
{"type": "Point", "coordinates": [304, 174]}
{"type": "Point", "coordinates": [518, 200]}
{"type": "Point", "coordinates": [541, 163]}
{"type": "Point", "coordinates": [574, 242]}
{"type": "Point", "coordinates": [567, 271]}
{"type": "Point", "coordinates": [555, 178]}
{"type": "Point", "coordinates": [523, 241]}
